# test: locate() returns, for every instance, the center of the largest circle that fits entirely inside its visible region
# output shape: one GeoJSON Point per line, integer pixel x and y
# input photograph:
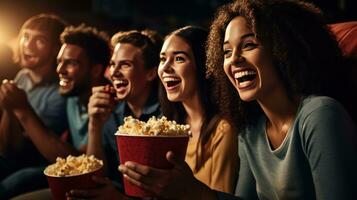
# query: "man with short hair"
{"type": "Point", "coordinates": [133, 72]}
{"type": "Point", "coordinates": [82, 61]}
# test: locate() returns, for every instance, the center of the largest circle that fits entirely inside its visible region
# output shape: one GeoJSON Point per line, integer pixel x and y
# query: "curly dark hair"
{"type": "Point", "coordinates": [304, 51]}
{"type": "Point", "coordinates": [94, 42]}
{"type": "Point", "coordinates": [195, 37]}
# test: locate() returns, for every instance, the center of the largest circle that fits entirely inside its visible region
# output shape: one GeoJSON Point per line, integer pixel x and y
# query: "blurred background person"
{"type": "Point", "coordinates": [82, 61]}
{"type": "Point", "coordinates": [35, 86]}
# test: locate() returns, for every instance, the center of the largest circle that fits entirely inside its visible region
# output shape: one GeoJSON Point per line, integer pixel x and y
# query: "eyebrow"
{"type": "Point", "coordinates": [176, 52]}
{"type": "Point", "coordinates": [243, 37]}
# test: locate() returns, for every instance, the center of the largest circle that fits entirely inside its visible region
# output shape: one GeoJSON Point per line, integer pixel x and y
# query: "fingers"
{"type": "Point", "coordinates": [131, 171]}
{"type": "Point", "coordinates": [134, 177]}
{"type": "Point", "coordinates": [137, 183]}
{"type": "Point", "coordinates": [8, 85]}
{"type": "Point", "coordinates": [173, 159]}
{"type": "Point", "coordinates": [7, 81]}
{"type": "Point", "coordinates": [10, 93]}
{"type": "Point", "coordinates": [108, 89]}
{"type": "Point", "coordinates": [100, 102]}
{"type": "Point", "coordinates": [98, 89]}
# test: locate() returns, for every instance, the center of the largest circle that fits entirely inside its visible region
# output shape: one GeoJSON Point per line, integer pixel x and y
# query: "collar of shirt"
{"type": "Point", "coordinates": [151, 107]}
{"type": "Point", "coordinates": [30, 82]}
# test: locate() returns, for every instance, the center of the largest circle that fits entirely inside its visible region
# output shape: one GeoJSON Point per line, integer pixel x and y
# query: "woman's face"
{"type": "Point", "coordinates": [247, 63]}
{"type": "Point", "coordinates": [177, 69]}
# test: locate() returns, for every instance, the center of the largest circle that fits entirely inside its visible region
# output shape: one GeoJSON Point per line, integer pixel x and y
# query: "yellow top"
{"type": "Point", "coordinates": [220, 170]}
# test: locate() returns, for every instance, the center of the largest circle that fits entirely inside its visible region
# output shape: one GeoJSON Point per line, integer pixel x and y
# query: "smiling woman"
{"type": "Point", "coordinates": [285, 70]}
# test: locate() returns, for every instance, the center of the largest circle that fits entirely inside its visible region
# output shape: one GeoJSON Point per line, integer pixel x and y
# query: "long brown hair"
{"type": "Point", "coordinates": [196, 38]}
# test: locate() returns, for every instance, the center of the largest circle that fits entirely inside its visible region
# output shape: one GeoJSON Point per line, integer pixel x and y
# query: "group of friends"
{"type": "Point", "coordinates": [262, 91]}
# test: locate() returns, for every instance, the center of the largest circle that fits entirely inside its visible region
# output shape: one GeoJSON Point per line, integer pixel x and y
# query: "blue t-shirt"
{"type": "Point", "coordinates": [49, 106]}
{"type": "Point", "coordinates": [45, 99]}
{"type": "Point", "coordinates": [316, 160]}
{"type": "Point", "coordinates": [78, 122]}
{"type": "Point", "coordinates": [151, 108]}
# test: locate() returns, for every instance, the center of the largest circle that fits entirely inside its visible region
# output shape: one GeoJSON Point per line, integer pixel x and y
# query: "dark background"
{"type": "Point", "coordinates": [115, 15]}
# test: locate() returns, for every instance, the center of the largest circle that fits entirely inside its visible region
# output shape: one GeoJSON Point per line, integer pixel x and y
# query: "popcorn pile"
{"type": "Point", "coordinates": [153, 127]}
{"type": "Point", "coordinates": [73, 165]}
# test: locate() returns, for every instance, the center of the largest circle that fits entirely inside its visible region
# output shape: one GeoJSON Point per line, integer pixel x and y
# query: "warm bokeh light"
{"type": "Point", "coordinates": [4, 33]}
{"type": "Point", "coordinates": [8, 27]}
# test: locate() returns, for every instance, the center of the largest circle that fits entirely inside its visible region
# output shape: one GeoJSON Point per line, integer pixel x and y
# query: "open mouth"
{"type": "Point", "coordinates": [29, 56]}
{"type": "Point", "coordinates": [64, 82]}
{"type": "Point", "coordinates": [120, 83]}
{"type": "Point", "coordinates": [245, 76]}
{"type": "Point", "coordinates": [171, 82]}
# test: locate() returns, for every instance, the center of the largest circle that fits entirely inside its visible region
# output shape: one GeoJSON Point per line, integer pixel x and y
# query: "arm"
{"type": "Point", "coordinates": [11, 134]}
{"type": "Point", "coordinates": [246, 186]}
{"type": "Point", "coordinates": [224, 158]}
{"type": "Point", "coordinates": [16, 100]}
{"type": "Point", "coordinates": [100, 106]}
{"type": "Point", "coordinates": [330, 152]}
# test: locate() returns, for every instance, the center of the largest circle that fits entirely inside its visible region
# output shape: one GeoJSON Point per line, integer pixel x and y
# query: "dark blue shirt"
{"type": "Point", "coordinates": [151, 108]}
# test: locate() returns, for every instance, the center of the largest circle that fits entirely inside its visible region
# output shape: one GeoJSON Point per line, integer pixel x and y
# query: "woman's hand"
{"type": "Point", "coordinates": [175, 183]}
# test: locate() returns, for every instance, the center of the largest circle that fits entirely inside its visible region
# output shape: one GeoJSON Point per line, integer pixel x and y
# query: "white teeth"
{"type": "Point", "coordinates": [119, 82]}
{"type": "Point", "coordinates": [63, 82]}
{"type": "Point", "coordinates": [243, 73]}
{"type": "Point", "coordinates": [167, 79]}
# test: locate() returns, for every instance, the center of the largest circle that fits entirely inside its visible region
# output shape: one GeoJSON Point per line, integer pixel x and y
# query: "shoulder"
{"type": "Point", "coordinates": [319, 114]}
{"type": "Point", "coordinates": [21, 74]}
{"type": "Point", "coordinates": [224, 130]}
{"type": "Point", "coordinates": [311, 103]}
{"type": "Point", "coordinates": [321, 107]}
{"type": "Point", "coordinates": [223, 124]}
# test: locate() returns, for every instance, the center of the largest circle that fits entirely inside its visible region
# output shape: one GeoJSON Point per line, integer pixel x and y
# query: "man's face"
{"type": "Point", "coordinates": [35, 49]}
{"type": "Point", "coordinates": [73, 70]}
{"type": "Point", "coordinates": [127, 71]}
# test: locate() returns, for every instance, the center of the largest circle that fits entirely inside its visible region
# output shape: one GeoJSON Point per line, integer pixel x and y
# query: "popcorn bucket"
{"type": "Point", "coordinates": [148, 150]}
{"type": "Point", "coordinates": [60, 185]}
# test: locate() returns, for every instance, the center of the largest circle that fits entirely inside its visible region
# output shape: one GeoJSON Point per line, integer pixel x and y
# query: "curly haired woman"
{"type": "Point", "coordinates": [285, 74]}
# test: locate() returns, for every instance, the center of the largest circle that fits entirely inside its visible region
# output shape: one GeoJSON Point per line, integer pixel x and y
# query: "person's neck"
{"type": "Point", "coordinates": [85, 95]}
{"type": "Point", "coordinates": [137, 104]}
{"type": "Point", "coordinates": [195, 115]}
{"type": "Point", "coordinates": [42, 72]}
{"type": "Point", "coordinates": [280, 110]}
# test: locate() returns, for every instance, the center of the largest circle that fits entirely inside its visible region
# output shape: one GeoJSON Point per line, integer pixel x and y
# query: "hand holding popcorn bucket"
{"type": "Point", "coordinates": [147, 144]}
{"type": "Point", "coordinates": [72, 173]}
